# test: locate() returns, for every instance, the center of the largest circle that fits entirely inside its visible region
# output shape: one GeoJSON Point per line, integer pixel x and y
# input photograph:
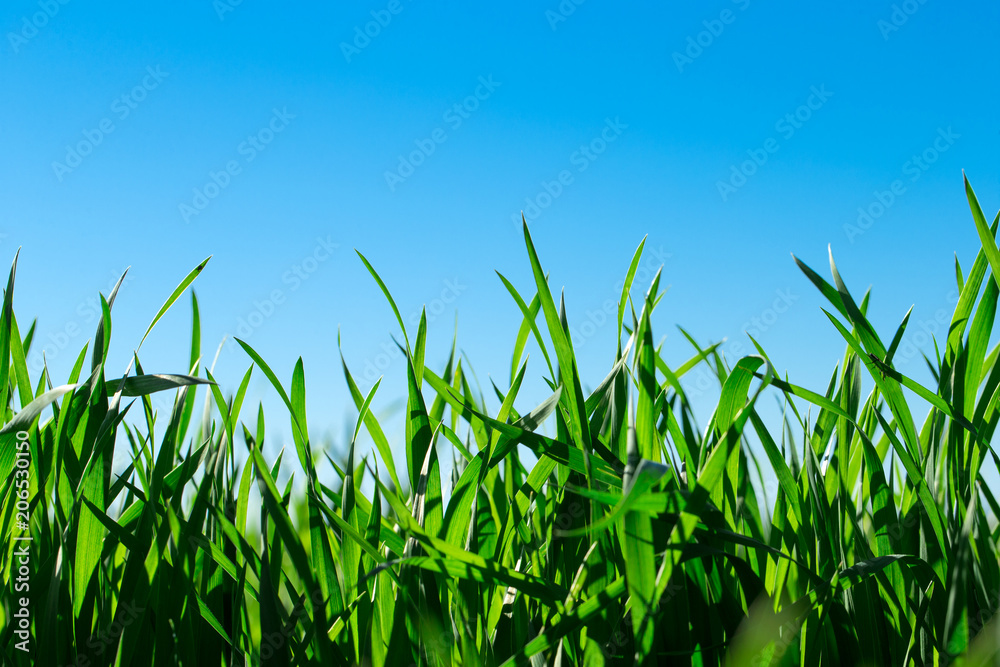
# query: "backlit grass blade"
{"type": "Point", "coordinates": [869, 337]}
{"type": "Point", "coordinates": [889, 387]}
{"type": "Point", "coordinates": [627, 285]}
{"type": "Point", "coordinates": [525, 329]}
{"type": "Point", "coordinates": [989, 244]}
{"type": "Point", "coordinates": [529, 313]}
{"type": "Point", "coordinates": [371, 423]}
{"type": "Point", "coordinates": [20, 364]}
{"type": "Point", "coordinates": [786, 480]}
{"type": "Point", "coordinates": [304, 457]}
{"type": "Point", "coordinates": [978, 343]}
{"type": "Point", "coordinates": [593, 608]}
{"type": "Point", "coordinates": [6, 321]}
{"type": "Point", "coordinates": [143, 385]}
{"type": "Point", "coordinates": [916, 478]}
{"type": "Point", "coordinates": [388, 296]}
{"type": "Point", "coordinates": [27, 415]}
{"type": "Point", "coordinates": [564, 352]}
{"type": "Point", "coordinates": [300, 428]}
{"type": "Point", "coordinates": [826, 289]}
{"type": "Point", "coordinates": [174, 296]}
{"type": "Point", "coordinates": [646, 436]}
{"type": "Point", "coordinates": [640, 562]}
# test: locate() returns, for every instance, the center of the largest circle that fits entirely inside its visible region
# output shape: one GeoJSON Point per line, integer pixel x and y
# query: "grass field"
{"type": "Point", "coordinates": [636, 538]}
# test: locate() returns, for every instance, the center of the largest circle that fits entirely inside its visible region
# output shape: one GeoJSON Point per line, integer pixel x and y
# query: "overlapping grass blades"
{"type": "Point", "coordinates": [637, 536]}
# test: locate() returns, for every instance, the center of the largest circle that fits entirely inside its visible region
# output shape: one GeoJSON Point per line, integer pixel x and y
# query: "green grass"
{"type": "Point", "coordinates": [881, 547]}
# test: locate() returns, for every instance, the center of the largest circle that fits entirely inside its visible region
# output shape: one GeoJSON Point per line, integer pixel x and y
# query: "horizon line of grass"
{"type": "Point", "coordinates": [636, 537]}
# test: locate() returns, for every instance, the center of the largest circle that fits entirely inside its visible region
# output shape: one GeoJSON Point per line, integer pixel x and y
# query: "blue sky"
{"type": "Point", "coordinates": [278, 139]}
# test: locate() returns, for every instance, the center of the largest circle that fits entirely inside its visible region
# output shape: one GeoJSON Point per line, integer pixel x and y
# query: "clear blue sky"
{"type": "Point", "coordinates": [279, 138]}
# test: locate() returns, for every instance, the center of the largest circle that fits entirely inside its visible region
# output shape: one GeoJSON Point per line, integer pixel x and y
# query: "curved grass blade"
{"type": "Point", "coordinates": [173, 297]}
